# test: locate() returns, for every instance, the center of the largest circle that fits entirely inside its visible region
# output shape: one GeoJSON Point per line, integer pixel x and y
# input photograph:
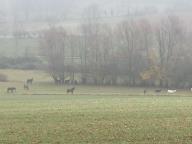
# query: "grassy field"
{"type": "Point", "coordinates": [93, 115]}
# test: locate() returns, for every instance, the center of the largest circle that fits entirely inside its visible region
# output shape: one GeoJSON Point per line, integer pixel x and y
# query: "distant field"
{"type": "Point", "coordinates": [93, 115]}
{"type": "Point", "coordinates": [43, 84]}
{"type": "Point", "coordinates": [8, 47]}
{"type": "Point", "coordinates": [22, 75]}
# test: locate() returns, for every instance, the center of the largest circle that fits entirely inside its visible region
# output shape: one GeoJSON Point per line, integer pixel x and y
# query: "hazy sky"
{"type": "Point", "coordinates": [38, 8]}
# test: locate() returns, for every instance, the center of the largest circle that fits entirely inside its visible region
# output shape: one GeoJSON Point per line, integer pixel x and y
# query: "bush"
{"type": "Point", "coordinates": [3, 78]}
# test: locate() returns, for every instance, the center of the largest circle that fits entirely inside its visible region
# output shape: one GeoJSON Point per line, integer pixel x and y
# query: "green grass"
{"type": "Point", "coordinates": [95, 119]}
{"type": "Point", "coordinates": [93, 115]}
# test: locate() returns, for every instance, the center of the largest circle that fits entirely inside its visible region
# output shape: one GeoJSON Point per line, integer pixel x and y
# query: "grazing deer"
{"type": "Point", "coordinates": [71, 90]}
{"type": "Point", "coordinates": [26, 87]}
{"type": "Point", "coordinates": [11, 89]}
{"type": "Point", "coordinates": [29, 81]}
{"type": "Point", "coordinates": [158, 91]}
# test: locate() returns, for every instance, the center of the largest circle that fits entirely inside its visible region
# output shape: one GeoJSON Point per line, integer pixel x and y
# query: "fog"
{"type": "Point", "coordinates": [60, 9]}
{"type": "Point", "coordinates": [126, 42]}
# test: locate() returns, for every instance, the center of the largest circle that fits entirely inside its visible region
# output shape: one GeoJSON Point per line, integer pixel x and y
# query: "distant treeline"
{"type": "Point", "coordinates": [27, 63]}
{"type": "Point", "coordinates": [135, 52]}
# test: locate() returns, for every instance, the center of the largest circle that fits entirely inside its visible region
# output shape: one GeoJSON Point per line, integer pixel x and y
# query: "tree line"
{"type": "Point", "coordinates": [134, 52]}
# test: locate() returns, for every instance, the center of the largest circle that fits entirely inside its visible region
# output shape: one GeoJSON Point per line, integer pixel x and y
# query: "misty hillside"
{"type": "Point", "coordinates": [32, 17]}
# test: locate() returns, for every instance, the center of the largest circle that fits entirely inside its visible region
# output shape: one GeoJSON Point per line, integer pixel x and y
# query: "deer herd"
{"type": "Point", "coordinates": [160, 90]}
{"type": "Point", "coordinates": [26, 86]}
{"type": "Point", "coordinates": [29, 83]}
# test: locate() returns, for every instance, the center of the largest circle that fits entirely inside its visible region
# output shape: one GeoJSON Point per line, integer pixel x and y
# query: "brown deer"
{"type": "Point", "coordinates": [26, 87]}
{"type": "Point", "coordinates": [11, 89]}
{"type": "Point", "coordinates": [29, 81]}
{"type": "Point", "coordinates": [144, 91]}
{"type": "Point", "coordinates": [71, 90]}
{"type": "Point", "coordinates": [158, 91]}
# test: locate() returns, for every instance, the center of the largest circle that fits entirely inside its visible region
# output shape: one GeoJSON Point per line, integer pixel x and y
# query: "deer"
{"type": "Point", "coordinates": [26, 87]}
{"type": "Point", "coordinates": [11, 89]}
{"type": "Point", "coordinates": [158, 90]}
{"type": "Point", "coordinates": [29, 81]}
{"type": "Point", "coordinates": [71, 90]}
{"type": "Point", "coordinates": [144, 91]}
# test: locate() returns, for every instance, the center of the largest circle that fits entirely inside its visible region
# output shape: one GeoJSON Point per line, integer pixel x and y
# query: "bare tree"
{"type": "Point", "coordinates": [53, 48]}
{"type": "Point", "coordinates": [169, 36]}
{"type": "Point", "coordinates": [136, 52]}
{"type": "Point", "coordinates": [91, 30]}
{"type": "Point", "coordinates": [130, 38]}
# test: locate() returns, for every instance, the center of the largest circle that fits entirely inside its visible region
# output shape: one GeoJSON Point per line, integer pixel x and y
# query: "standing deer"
{"type": "Point", "coordinates": [29, 81]}
{"type": "Point", "coordinates": [71, 90]}
{"type": "Point", "coordinates": [158, 91]}
{"type": "Point", "coordinates": [144, 91]}
{"type": "Point", "coordinates": [11, 89]}
{"type": "Point", "coordinates": [26, 87]}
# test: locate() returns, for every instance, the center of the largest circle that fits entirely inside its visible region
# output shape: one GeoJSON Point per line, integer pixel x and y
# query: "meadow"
{"type": "Point", "coordinates": [93, 115]}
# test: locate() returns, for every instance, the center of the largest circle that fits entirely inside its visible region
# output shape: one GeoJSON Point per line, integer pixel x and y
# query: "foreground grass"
{"type": "Point", "coordinates": [93, 115]}
{"type": "Point", "coordinates": [92, 119]}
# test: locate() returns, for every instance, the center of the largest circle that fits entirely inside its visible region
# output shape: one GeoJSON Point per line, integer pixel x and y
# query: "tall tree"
{"type": "Point", "coordinates": [169, 36]}
{"type": "Point", "coordinates": [53, 49]}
